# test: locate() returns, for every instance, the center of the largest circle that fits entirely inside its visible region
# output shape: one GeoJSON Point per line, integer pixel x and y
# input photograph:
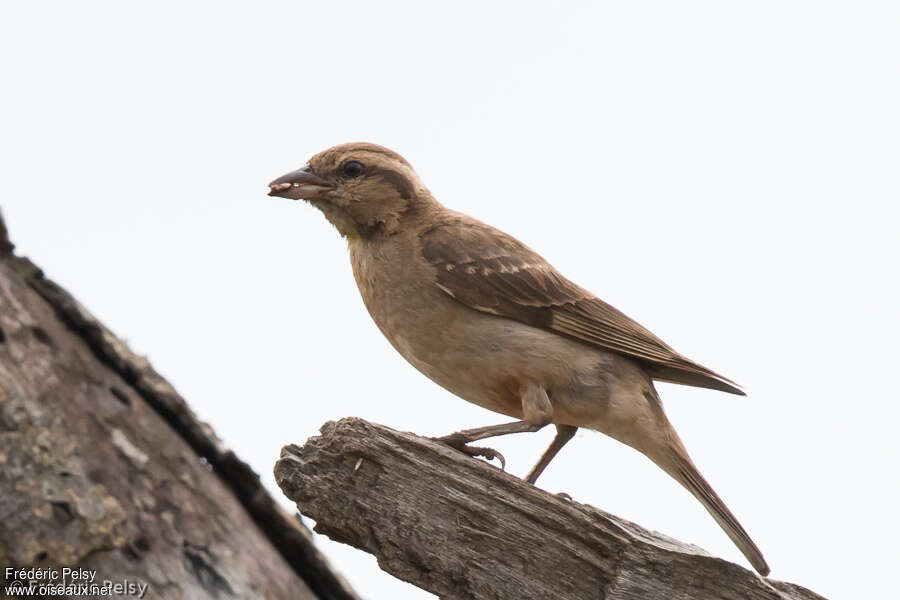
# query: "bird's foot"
{"type": "Point", "coordinates": [459, 442]}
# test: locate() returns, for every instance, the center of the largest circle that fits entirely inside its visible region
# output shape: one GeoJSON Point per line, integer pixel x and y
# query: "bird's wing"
{"type": "Point", "coordinates": [495, 273]}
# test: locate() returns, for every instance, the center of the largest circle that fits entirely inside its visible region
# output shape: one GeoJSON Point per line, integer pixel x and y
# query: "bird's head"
{"type": "Point", "coordinates": [363, 189]}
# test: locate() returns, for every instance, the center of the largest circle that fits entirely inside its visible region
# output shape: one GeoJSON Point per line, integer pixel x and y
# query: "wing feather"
{"type": "Point", "coordinates": [493, 272]}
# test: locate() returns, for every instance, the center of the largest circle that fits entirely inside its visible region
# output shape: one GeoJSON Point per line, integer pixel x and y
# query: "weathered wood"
{"type": "Point", "coordinates": [463, 529]}
{"type": "Point", "coordinates": [103, 466]}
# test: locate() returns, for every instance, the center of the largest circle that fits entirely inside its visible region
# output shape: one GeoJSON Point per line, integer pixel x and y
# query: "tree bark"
{"type": "Point", "coordinates": [463, 529]}
{"type": "Point", "coordinates": [103, 466]}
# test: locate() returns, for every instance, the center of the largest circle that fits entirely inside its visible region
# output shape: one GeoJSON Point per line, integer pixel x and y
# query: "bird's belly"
{"type": "Point", "coordinates": [463, 354]}
{"type": "Point", "coordinates": [489, 360]}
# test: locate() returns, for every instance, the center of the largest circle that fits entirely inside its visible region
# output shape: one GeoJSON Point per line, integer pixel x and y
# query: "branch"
{"type": "Point", "coordinates": [462, 529]}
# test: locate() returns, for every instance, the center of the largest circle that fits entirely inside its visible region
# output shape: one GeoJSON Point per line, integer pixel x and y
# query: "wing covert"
{"type": "Point", "coordinates": [493, 272]}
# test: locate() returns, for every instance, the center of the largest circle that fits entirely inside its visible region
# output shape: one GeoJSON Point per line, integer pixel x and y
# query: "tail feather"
{"type": "Point", "coordinates": [684, 471]}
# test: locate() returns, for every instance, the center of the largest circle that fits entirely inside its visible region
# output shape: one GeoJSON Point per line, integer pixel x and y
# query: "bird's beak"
{"type": "Point", "coordinates": [298, 184]}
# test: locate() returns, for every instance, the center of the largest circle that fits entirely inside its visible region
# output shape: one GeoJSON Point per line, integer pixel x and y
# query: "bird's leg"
{"type": "Point", "coordinates": [564, 433]}
{"type": "Point", "coordinates": [460, 439]}
{"type": "Point", "coordinates": [537, 411]}
{"type": "Point", "coordinates": [479, 433]}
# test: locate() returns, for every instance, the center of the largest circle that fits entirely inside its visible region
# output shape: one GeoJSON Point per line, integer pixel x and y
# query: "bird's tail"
{"type": "Point", "coordinates": [679, 465]}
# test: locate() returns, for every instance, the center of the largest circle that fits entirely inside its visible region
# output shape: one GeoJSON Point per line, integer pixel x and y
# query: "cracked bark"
{"type": "Point", "coordinates": [463, 529]}
{"type": "Point", "coordinates": [104, 466]}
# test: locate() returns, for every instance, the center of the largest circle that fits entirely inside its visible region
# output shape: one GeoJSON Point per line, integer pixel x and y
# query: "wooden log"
{"type": "Point", "coordinates": [463, 529]}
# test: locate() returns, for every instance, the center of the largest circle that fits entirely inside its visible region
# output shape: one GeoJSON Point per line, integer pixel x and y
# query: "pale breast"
{"type": "Point", "coordinates": [440, 337]}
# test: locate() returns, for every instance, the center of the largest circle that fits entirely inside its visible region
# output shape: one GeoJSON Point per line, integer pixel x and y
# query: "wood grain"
{"type": "Point", "coordinates": [463, 529]}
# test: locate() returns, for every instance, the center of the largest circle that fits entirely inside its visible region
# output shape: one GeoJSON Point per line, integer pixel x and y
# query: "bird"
{"type": "Point", "coordinates": [487, 318]}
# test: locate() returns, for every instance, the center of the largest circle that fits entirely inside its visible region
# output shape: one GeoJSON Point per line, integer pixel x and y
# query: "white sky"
{"type": "Point", "coordinates": [725, 173]}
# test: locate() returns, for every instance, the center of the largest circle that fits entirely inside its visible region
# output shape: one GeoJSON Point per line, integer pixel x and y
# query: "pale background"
{"type": "Point", "coordinates": [725, 173]}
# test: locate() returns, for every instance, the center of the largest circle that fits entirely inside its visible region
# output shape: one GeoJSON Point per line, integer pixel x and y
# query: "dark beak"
{"type": "Point", "coordinates": [302, 183]}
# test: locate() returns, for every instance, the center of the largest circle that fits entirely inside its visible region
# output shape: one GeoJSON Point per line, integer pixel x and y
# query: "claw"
{"type": "Point", "coordinates": [488, 453]}
{"type": "Point", "coordinates": [457, 441]}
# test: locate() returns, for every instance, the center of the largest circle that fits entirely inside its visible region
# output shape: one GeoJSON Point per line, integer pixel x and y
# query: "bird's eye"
{"type": "Point", "coordinates": [353, 168]}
